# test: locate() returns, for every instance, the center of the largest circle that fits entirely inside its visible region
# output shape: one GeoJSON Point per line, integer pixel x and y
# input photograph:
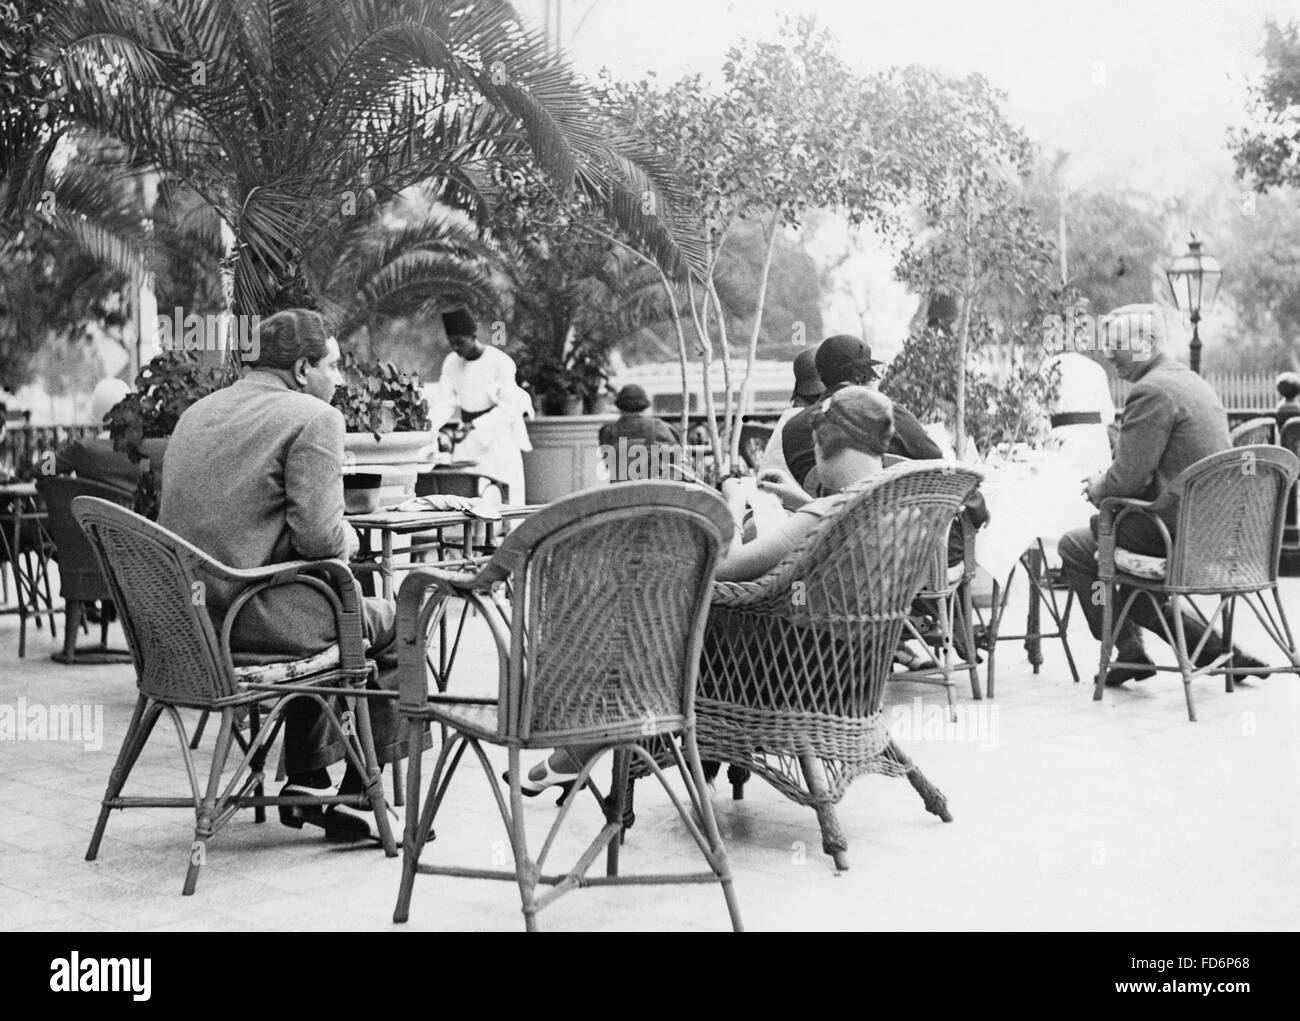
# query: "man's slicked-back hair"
{"type": "Point", "coordinates": [289, 335]}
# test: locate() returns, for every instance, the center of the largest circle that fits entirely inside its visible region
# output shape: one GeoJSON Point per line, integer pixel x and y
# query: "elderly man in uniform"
{"type": "Point", "coordinates": [1171, 419]}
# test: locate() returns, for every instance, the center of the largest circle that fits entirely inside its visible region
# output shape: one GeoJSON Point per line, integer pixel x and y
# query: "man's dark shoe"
{"type": "Point", "coordinates": [1116, 676]}
{"type": "Point", "coordinates": [297, 815]}
{"type": "Point", "coordinates": [348, 824]}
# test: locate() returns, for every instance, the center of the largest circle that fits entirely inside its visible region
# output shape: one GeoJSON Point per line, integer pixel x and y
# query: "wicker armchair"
{"type": "Point", "coordinates": [795, 664]}
{"type": "Point", "coordinates": [946, 597]}
{"type": "Point", "coordinates": [182, 661]}
{"type": "Point", "coordinates": [1227, 542]}
{"type": "Point", "coordinates": [80, 580]}
{"type": "Point", "coordinates": [1255, 431]}
{"type": "Point", "coordinates": [598, 646]}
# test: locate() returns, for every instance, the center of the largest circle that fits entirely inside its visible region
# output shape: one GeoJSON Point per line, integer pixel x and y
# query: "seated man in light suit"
{"type": "Point", "coordinates": [1171, 419]}
{"type": "Point", "coordinates": [253, 476]}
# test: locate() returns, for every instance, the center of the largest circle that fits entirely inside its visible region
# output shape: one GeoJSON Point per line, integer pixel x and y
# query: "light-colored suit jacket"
{"type": "Point", "coordinates": [253, 476]}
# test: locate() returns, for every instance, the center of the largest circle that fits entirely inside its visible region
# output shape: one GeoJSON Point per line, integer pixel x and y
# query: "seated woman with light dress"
{"type": "Point", "coordinates": [851, 432]}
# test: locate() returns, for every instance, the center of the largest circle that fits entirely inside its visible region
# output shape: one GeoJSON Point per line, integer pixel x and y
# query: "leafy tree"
{"type": "Point", "coordinates": [1260, 254]}
{"type": "Point", "coordinates": [793, 128]}
{"type": "Point", "coordinates": [1268, 151]}
{"type": "Point", "coordinates": [66, 263]}
{"type": "Point", "coordinates": [980, 238]}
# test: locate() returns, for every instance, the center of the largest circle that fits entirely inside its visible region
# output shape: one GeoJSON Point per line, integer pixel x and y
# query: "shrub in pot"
{"type": "Point", "coordinates": [140, 422]}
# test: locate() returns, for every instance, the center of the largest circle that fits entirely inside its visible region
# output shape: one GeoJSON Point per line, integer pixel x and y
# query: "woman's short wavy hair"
{"type": "Point", "coordinates": [855, 418]}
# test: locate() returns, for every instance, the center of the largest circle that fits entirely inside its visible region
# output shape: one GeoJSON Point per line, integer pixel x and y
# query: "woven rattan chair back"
{"type": "Point", "coordinates": [1290, 438]}
{"type": "Point", "coordinates": [80, 578]}
{"type": "Point", "coordinates": [1231, 510]}
{"type": "Point", "coordinates": [162, 604]}
{"type": "Point", "coordinates": [1254, 431]}
{"type": "Point", "coordinates": [817, 635]}
{"type": "Point", "coordinates": [936, 581]}
{"type": "Point", "coordinates": [608, 611]}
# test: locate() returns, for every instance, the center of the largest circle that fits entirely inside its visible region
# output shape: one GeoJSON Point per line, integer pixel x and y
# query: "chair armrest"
{"type": "Point", "coordinates": [1113, 510]}
{"type": "Point", "coordinates": [338, 588]}
{"type": "Point", "coordinates": [418, 598]}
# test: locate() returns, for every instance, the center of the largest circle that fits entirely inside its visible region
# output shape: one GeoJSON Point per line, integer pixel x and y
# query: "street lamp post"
{"type": "Point", "coordinates": [1194, 279]}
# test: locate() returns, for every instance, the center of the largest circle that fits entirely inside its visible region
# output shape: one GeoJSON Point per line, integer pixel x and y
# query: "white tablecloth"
{"type": "Point", "coordinates": [1027, 501]}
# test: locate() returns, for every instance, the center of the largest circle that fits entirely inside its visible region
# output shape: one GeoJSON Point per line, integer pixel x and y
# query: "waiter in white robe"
{"type": "Point", "coordinates": [1082, 413]}
{"type": "Point", "coordinates": [478, 384]}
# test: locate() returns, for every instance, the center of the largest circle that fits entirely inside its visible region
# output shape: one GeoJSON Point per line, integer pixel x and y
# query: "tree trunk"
{"type": "Point", "coordinates": [752, 351]}
{"type": "Point", "coordinates": [699, 316]}
{"type": "Point", "coordinates": [963, 331]}
{"type": "Point", "coordinates": [724, 463]}
{"type": "Point", "coordinates": [683, 357]}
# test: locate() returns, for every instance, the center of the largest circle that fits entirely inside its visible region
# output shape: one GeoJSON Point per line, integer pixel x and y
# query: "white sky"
{"type": "Point", "coordinates": [1140, 92]}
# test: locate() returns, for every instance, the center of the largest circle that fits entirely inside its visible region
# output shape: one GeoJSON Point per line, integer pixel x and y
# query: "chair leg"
{"type": "Point", "coordinates": [616, 804]}
{"type": "Point", "coordinates": [207, 812]}
{"type": "Point", "coordinates": [944, 606]}
{"type": "Point", "coordinates": [833, 841]}
{"type": "Point", "coordinates": [1229, 612]}
{"type": "Point", "coordinates": [967, 605]}
{"type": "Point", "coordinates": [737, 776]}
{"type": "Point", "coordinates": [411, 843]}
{"type": "Point", "coordinates": [49, 598]}
{"type": "Point", "coordinates": [374, 778]}
{"type": "Point", "coordinates": [22, 610]}
{"type": "Point", "coordinates": [525, 870]}
{"type": "Point", "coordinates": [1184, 663]}
{"type": "Point", "coordinates": [718, 860]}
{"type": "Point", "coordinates": [399, 785]}
{"type": "Point", "coordinates": [258, 761]}
{"type": "Point", "coordinates": [71, 621]}
{"type": "Point", "coordinates": [137, 733]}
{"type": "Point", "coordinates": [935, 802]}
{"type": "Point", "coordinates": [1064, 628]}
{"type": "Point", "coordinates": [1033, 562]}
{"type": "Point", "coordinates": [198, 731]}
{"type": "Point", "coordinates": [1108, 596]}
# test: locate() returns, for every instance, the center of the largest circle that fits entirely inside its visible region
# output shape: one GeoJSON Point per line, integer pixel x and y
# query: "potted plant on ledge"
{"type": "Point", "coordinates": [386, 414]}
{"type": "Point", "coordinates": [141, 422]}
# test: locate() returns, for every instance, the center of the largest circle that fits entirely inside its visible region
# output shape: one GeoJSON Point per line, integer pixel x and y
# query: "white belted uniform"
{"type": "Point", "coordinates": [1082, 413]}
{"type": "Point", "coordinates": [485, 389]}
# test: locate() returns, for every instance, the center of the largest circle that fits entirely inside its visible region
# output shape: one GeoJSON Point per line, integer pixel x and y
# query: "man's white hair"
{"type": "Point", "coordinates": [1141, 329]}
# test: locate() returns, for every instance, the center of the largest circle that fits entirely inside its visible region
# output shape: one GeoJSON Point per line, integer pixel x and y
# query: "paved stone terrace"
{"type": "Point", "coordinates": [1069, 815]}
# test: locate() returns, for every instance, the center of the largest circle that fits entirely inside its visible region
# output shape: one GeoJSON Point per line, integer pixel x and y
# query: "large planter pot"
{"type": "Point", "coordinates": [394, 456]}
{"type": "Point", "coordinates": [390, 448]}
{"type": "Point", "coordinates": [565, 456]}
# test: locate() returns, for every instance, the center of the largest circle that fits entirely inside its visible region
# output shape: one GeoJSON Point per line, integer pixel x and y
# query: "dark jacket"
{"type": "Point", "coordinates": [910, 438]}
{"type": "Point", "coordinates": [1171, 419]}
{"type": "Point", "coordinates": [639, 446]}
{"type": "Point", "coordinates": [95, 459]}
